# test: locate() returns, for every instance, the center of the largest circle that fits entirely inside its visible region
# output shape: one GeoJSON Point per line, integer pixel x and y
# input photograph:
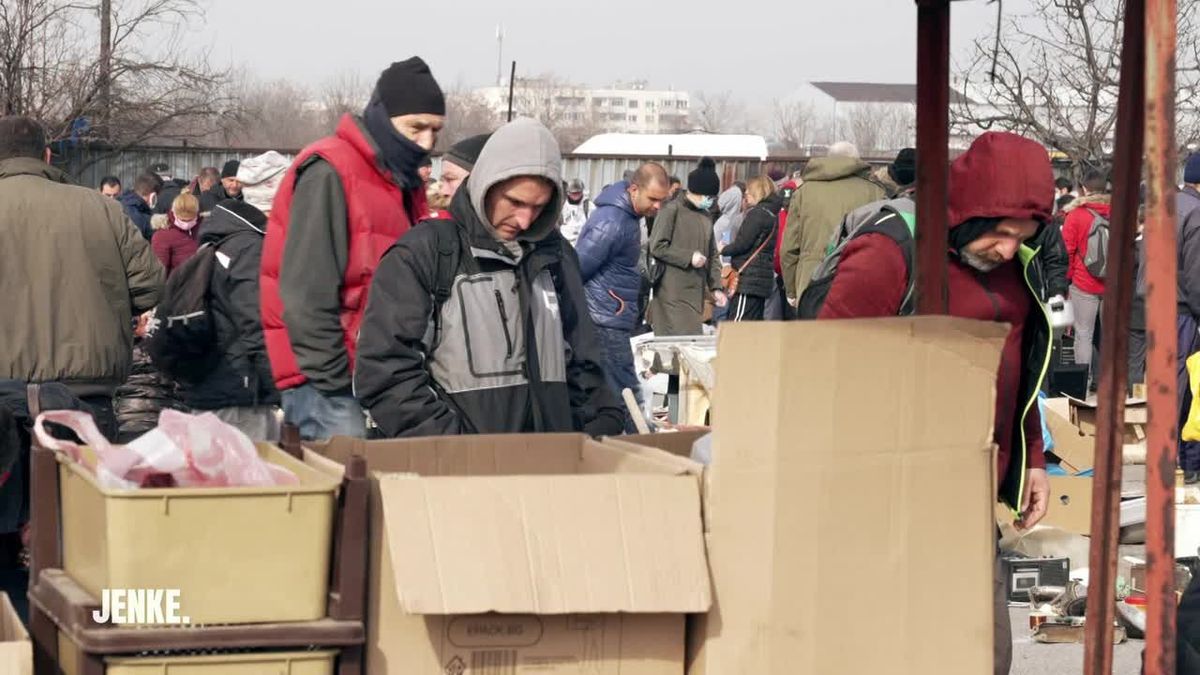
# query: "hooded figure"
{"type": "Point", "coordinates": [730, 205]}
{"type": "Point", "coordinates": [479, 323]}
{"type": "Point", "coordinates": [240, 389]}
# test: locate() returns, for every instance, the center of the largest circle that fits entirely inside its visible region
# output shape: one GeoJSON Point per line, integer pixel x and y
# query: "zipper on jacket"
{"type": "Point", "coordinates": [504, 322]}
{"type": "Point", "coordinates": [1026, 262]}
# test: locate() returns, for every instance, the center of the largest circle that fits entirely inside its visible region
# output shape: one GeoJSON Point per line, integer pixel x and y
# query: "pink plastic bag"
{"type": "Point", "coordinates": [183, 451]}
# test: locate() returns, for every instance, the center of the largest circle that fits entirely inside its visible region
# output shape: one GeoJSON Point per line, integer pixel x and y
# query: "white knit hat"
{"type": "Point", "coordinates": [261, 177]}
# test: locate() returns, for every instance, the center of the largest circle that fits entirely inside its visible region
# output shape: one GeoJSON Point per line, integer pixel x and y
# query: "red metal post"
{"type": "Point", "coordinates": [1114, 374]}
{"type": "Point", "coordinates": [933, 152]}
{"type": "Point", "coordinates": [1162, 432]}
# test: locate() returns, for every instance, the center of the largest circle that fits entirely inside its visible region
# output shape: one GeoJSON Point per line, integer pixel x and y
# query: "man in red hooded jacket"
{"type": "Point", "coordinates": [1000, 195]}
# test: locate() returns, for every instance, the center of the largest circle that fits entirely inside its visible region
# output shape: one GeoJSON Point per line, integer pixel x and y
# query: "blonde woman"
{"type": "Point", "coordinates": [753, 251]}
{"type": "Point", "coordinates": [176, 237]}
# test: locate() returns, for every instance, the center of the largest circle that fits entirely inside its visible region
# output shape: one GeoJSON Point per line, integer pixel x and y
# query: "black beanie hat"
{"type": "Point", "coordinates": [230, 169]}
{"type": "Point", "coordinates": [704, 180]}
{"type": "Point", "coordinates": [408, 88]}
{"type": "Point", "coordinates": [904, 169]}
{"type": "Point", "coordinates": [465, 153]}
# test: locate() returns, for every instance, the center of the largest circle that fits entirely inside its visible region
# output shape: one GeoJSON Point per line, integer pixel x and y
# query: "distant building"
{"type": "Point", "coordinates": [621, 108]}
{"type": "Point", "coordinates": [878, 117]}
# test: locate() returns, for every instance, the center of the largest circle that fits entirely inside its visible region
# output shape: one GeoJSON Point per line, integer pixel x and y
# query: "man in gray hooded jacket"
{"type": "Point", "coordinates": [479, 323]}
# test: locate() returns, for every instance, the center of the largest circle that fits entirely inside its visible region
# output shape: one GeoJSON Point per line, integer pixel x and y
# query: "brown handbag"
{"type": "Point", "coordinates": [730, 277]}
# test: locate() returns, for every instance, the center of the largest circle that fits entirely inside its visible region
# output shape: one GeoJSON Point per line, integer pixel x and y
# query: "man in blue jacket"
{"type": "Point", "coordinates": [609, 248]}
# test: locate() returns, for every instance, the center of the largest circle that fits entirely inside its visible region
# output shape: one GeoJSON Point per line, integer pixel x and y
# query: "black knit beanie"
{"type": "Point", "coordinates": [465, 153]}
{"type": "Point", "coordinates": [230, 169]}
{"type": "Point", "coordinates": [904, 169]}
{"type": "Point", "coordinates": [703, 180]}
{"type": "Point", "coordinates": [408, 88]}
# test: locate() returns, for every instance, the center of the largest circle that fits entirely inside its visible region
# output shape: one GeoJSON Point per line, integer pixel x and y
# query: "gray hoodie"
{"type": "Point", "coordinates": [523, 147]}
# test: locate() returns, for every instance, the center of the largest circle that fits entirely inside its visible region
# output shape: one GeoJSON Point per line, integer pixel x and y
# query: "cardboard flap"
{"type": "Point", "coordinates": [487, 455]}
{"type": "Point", "coordinates": [567, 544]}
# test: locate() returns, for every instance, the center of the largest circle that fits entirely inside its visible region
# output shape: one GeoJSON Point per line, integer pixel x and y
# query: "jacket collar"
{"type": "Point", "coordinates": [28, 166]}
{"type": "Point", "coordinates": [1088, 200]}
{"type": "Point", "coordinates": [482, 244]}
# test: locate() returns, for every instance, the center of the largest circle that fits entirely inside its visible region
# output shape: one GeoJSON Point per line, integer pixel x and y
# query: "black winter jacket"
{"type": "Point", "coordinates": [516, 351]}
{"type": "Point", "coordinates": [1055, 262]}
{"type": "Point", "coordinates": [759, 225]}
{"type": "Point", "coordinates": [243, 374]}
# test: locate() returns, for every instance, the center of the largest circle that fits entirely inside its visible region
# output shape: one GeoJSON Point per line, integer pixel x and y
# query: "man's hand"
{"type": "Point", "coordinates": [721, 247]}
{"type": "Point", "coordinates": [699, 260]}
{"type": "Point", "coordinates": [793, 302]}
{"type": "Point", "coordinates": [720, 298]}
{"type": "Point", "coordinates": [1036, 499]}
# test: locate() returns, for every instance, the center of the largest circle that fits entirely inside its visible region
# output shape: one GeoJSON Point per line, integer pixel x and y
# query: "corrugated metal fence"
{"type": "Point", "coordinates": [90, 165]}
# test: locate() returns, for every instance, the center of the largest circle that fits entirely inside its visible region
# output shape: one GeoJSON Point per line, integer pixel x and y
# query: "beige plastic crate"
{"type": "Point", "coordinates": [237, 555]}
{"type": "Point", "coordinates": [269, 663]}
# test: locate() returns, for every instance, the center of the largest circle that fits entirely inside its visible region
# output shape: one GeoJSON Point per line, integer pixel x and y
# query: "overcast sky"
{"type": "Point", "coordinates": [744, 47]}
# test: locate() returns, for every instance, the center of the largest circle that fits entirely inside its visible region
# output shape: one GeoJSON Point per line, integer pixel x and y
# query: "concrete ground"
{"type": "Point", "coordinates": [1034, 658]}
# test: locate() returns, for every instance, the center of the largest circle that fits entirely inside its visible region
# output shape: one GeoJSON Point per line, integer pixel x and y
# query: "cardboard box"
{"type": "Point", "coordinates": [550, 554]}
{"type": "Point", "coordinates": [16, 651]}
{"type": "Point", "coordinates": [678, 443]}
{"type": "Point", "coordinates": [852, 472]}
{"type": "Point", "coordinates": [1070, 506]}
{"type": "Point", "coordinates": [1076, 450]}
{"type": "Point", "coordinates": [1083, 416]}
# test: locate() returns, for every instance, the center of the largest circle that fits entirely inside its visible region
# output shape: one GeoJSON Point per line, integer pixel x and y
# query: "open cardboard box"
{"type": "Point", "coordinates": [549, 554]}
{"type": "Point", "coordinates": [851, 494]}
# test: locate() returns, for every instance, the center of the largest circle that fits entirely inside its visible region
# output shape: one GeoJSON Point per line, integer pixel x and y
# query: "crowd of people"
{"type": "Point", "coordinates": [347, 292]}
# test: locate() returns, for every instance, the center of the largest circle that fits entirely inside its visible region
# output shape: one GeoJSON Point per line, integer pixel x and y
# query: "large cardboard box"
{"type": "Point", "coordinates": [1070, 506]}
{"type": "Point", "coordinates": [849, 503]}
{"type": "Point", "coordinates": [548, 554]}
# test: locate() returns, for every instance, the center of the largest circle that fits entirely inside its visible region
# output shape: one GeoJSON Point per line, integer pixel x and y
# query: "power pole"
{"type": "Point", "coordinates": [105, 63]}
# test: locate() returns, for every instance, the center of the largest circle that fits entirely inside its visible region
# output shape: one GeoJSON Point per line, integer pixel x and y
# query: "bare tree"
{"type": "Point", "coordinates": [467, 114]}
{"type": "Point", "coordinates": [720, 113]}
{"type": "Point", "coordinates": [794, 123]}
{"type": "Point", "coordinates": [345, 93]}
{"type": "Point", "coordinates": [278, 114]}
{"type": "Point", "coordinates": [1056, 75]}
{"type": "Point", "coordinates": [879, 128]}
{"type": "Point", "coordinates": [153, 86]}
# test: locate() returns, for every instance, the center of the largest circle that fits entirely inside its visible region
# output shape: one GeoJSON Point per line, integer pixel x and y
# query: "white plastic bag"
{"type": "Point", "coordinates": [183, 451]}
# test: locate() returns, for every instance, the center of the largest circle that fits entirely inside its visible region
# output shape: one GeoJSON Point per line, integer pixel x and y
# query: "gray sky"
{"type": "Point", "coordinates": [701, 45]}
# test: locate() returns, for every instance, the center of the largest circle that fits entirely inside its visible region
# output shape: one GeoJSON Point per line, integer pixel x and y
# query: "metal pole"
{"type": "Point", "coordinates": [105, 63]}
{"type": "Point", "coordinates": [1162, 432]}
{"type": "Point", "coordinates": [933, 153]}
{"type": "Point", "coordinates": [1118, 302]}
{"type": "Point", "coordinates": [512, 80]}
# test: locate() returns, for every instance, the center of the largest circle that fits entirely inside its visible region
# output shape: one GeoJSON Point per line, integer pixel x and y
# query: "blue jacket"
{"type": "Point", "coordinates": [138, 211]}
{"type": "Point", "coordinates": [609, 247]}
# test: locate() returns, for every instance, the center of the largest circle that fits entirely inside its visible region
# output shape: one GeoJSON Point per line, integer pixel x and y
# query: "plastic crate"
{"type": "Point", "coordinates": [255, 663]}
{"type": "Point", "coordinates": [237, 555]}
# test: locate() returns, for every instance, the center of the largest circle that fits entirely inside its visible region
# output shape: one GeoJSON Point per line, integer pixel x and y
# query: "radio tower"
{"type": "Point", "coordinates": [499, 54]}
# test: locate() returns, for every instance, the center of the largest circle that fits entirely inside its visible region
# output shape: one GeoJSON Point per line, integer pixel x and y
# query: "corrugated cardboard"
{"type": "Point", "coordinates": [1070, 505]}
{"type": "Point", "coordinates": [1076, 450]}
{"type": "Point", "coordinates": [529, 554]}
{"type": "Point", "coordinates": [16, 651]}
{"type": "Point", "coordinates": [852, 483]}
{"type": "Point", "coordinates": [1083, 415]}
{"type": "Point", "coordinates": [677, 443]}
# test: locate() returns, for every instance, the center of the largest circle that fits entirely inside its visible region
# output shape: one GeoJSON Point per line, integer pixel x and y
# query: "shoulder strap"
{"type": "Point", "coordinates": [902, 230]}
{"type": "Point", "coordinates": [445, 267]}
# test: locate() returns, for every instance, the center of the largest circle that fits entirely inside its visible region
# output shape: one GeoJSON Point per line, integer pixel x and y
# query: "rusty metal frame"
{"type": "Point", "coordinates": [1162, 434]}
{"type": "Point", "coordinates": [1114, 357]}
{"type": "Point", "coordinates": [1145, 119]}
{"type": "Point", "coordinates": [933, 151]}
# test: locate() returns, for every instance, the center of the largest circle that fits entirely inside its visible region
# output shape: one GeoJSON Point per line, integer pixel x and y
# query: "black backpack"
{"type": "Point", "coordinates": [896, 223]}
{"type": "Point", "coordinates": [183, 344]}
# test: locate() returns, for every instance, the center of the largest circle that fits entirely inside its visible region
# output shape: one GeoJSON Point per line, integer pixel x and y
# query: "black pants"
{"type": "Point", "coordinates": [101, 408]}
{"type": "Point", "coordinates": [746, 308]}
{"type": "Point", "coordinates": [789, 312]}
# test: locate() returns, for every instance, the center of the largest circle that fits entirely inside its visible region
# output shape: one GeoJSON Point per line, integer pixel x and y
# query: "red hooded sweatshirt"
{"type": "Point", "coordinates": [1001, 176]}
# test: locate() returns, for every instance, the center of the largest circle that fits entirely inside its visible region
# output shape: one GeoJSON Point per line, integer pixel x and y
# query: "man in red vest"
{"type": "Point", "coordinates": [346, 199]}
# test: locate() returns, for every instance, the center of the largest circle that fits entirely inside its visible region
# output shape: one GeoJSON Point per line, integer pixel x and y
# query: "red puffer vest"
{"type": "Point", "coordinates": [378, 213]}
